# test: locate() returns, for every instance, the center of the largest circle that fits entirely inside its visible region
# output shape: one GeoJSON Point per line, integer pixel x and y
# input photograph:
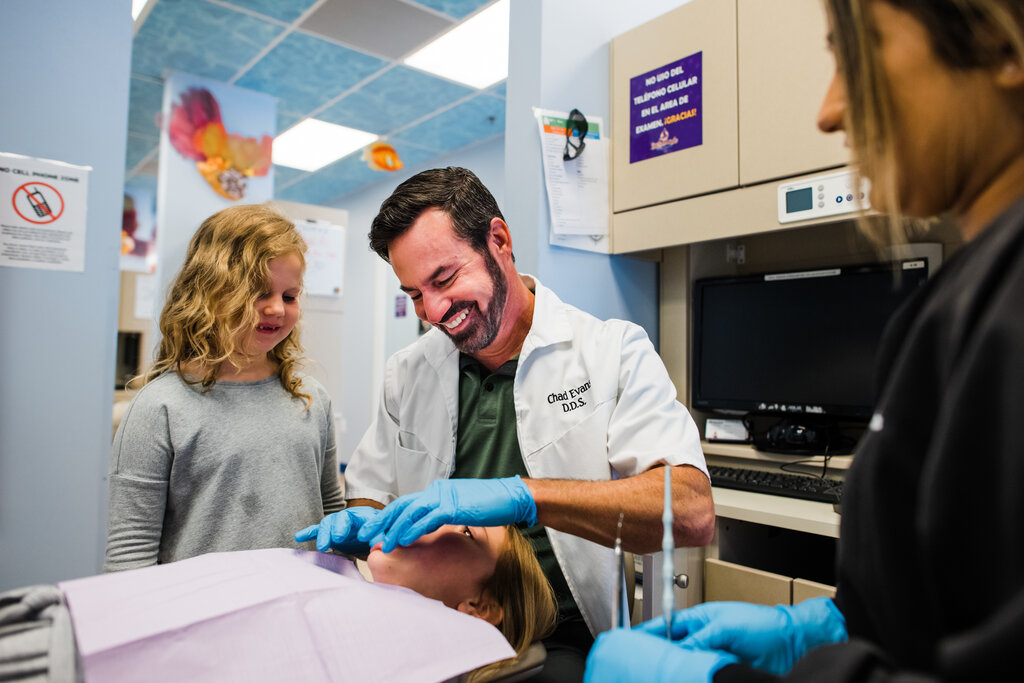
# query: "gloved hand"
{"type": "Point", "coordinates": [769, 638]}
{"type": "Point", "coordinates": [630, 655]}
{"type": "Point", "coordinates": [338, 531]}
{"type": "Point", "coordinates": [477, 502]}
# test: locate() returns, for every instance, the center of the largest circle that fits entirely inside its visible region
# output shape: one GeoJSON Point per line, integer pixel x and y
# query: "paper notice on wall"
{"type": "Point", "coordinates": [666, 109]}
{"type": "Point", "coordinates": [145, 296]}
{"type": "Point", "coordinates": [577, 188]}
{"type": "Point", "coordinates": [325, 257]}
{"type": "Point", "coordinates": [42, 213]}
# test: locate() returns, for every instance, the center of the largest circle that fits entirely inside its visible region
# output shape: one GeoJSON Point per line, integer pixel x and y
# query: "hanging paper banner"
{"type": "Point", "coordinates": [214, 153]}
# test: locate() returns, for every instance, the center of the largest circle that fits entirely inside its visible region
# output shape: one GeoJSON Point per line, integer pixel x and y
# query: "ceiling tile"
{"type": "Point", "coordinates": [217, 38]}
{"type": "Point", "coordinates": [346, 175]}
{"type": "Point", "coordinates": [454, 8]}
{"type": "Point", "coordinates": [473, 120]}
{"type": "Point", "coordinates": [286, 119]}
{"type": "Point", "coordinates": [305, 71]}
{"type": "Point", "coordinates": [339, 178]}
{"type": "Point", "coordinates": [137, 149]}
{"type": "Point", "coordinates": [282, 10]}
{"type": "Point", "coordinates": [284, 175]}
{"type": "Point", "coordinates": [411, 155]}
{"type": "Point", "coordinates": [200, 38]}
{"type": "Point", "coordinates": [411, 158]}
{"type": "Point", "coordinates": [394, 99]}
{"type": "Point", "coordinates": [142, 181]}
{"type": "Point", "coordinates": [146, 100]}
{"type": "Point", "coordinates": [390, 28]}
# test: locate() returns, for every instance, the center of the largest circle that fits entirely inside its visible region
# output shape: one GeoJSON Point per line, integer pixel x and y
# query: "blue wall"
{"type": "Point", "coordinates": [65, 95]}
{"type": "Point", "coordinates": [558, 59]}
{"type": "Point", "coordinates": [363, 353]}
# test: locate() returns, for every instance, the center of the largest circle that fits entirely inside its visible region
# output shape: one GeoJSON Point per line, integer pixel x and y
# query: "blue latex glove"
{"type": "Point", "coordinates": [769, 638]}
{"type": "Point", "coordinates": [338, 531]}
{"type": "Point", "coordinates": [629, 655]}
{"type": "Point", "coordinates": [476, 502]}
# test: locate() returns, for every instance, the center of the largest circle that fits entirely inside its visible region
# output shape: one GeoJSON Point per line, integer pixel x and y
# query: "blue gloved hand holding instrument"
{"type": "Point", "coordinates": [621, 655]}
{"type": "Point", "coordinates": [768, 638]}
{"type": "Point", "coordinates": [338, 531]}
{"type": "Point", "coordinates": [474, 502]}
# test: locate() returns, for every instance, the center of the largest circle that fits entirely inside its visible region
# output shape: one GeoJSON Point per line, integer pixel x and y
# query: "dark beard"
{"type": "Point", "coordinates": [483, 335]}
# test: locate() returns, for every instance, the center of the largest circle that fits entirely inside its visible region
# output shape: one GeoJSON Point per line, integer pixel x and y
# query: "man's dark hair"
{"type": "Point", "coordinates": [456, 191]}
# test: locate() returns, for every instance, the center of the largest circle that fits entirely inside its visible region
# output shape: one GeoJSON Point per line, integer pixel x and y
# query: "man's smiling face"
{"type": "Point", "coordinates": [454, 287]}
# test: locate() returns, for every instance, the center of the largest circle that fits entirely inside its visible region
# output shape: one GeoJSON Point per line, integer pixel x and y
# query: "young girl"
{"type": "Point", "coordinates": [226, 447]}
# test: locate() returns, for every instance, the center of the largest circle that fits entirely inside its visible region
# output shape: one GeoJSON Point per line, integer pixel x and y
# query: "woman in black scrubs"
{"type": "Point", "coordinates": [930, 95]}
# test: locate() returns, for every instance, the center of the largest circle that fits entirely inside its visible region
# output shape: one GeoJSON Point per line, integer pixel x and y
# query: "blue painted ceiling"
{"type": "Point", "coordinates": [334, 60]}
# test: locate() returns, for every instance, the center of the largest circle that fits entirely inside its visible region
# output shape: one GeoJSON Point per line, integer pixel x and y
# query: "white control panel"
{"type": "Point", "coordinates": [825, 195]}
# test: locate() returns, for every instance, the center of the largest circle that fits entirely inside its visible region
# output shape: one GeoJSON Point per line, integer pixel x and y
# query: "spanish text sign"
{"type": "Point", "coordinates": [42, 213]}
{"type": "Point", "coordinates": [666, 109]}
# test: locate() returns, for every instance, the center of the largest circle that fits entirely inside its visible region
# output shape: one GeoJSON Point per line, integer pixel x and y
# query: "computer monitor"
{"type": "Point", "coordinates": [796, 345]}
{"type": "Point", "coordinates": [126, 365]}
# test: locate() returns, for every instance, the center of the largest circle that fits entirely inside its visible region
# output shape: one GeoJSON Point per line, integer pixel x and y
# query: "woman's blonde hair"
{"type": "Point", "coordinates": [527, 601]}
{"type": "Point", "coordinates": [964, 34]}
{"type": "Point", "coordinates": [212, 303]}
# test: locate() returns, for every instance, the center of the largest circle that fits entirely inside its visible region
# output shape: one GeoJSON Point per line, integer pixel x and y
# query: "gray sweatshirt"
{"type": "Point", "coordinates": [241, 466]}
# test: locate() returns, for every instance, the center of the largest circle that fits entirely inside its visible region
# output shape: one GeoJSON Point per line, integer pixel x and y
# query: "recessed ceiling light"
{"type": "Point", "coordinates": [312, 144]}
{"type": "Point", "coordinates": [137, 6]}
{"type": "Point", "coordinates": [475, 52]}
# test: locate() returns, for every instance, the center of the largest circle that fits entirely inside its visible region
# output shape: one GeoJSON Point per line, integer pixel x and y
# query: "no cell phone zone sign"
{"type": "Point", "coordinates": [38, 203]}
{"type": "Point", "coordinates": [42, 213]}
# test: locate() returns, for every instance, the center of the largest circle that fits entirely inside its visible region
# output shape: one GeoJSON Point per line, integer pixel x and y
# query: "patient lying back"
{"type": "Point", "coordinates": [281, 617]}
{"type": "Point", "coordinates": [488, 572]}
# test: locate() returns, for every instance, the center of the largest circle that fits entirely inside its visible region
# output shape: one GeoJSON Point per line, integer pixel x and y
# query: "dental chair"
{"type": "Point", "coordinates": [37, 644]}
{"type": "Point", "coordinates": [532, 661]}
{"type": "Point", "coordinates": [528, 665]}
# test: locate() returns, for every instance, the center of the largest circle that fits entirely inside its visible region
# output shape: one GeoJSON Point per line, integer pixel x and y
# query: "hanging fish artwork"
{"type": "Point", "coordinates": [380, 156]}
{"type": "Point", "coordinates": [225, 160]}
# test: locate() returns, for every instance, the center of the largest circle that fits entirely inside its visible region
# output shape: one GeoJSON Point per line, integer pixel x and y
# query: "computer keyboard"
{"type": "Point", "coordinates": [778, 483]}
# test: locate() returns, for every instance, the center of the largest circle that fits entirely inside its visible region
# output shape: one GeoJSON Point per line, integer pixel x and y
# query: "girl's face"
{"type": "Point", "coordinates": [278, 306]}
{"type": "Point", "coordinates": [449, 564]}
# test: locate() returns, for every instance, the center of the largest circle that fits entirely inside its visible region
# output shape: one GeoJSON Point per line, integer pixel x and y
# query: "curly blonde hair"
{"type": "Point", "coordinates": [212, 303]}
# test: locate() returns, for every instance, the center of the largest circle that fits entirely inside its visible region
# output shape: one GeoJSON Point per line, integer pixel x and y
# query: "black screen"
{"type": "Point", "coordinates": [801, 343]}
{"type": "Point", "coordinates": [799, 200]}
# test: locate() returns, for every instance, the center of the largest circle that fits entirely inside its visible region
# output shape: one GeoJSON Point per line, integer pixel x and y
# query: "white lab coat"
{"type": "Point", "coordinates": [593, 401]}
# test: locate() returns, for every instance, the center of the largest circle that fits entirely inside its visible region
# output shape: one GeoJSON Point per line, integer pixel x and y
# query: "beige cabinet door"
{"type": "Point", "coordinates": [703, 30]}
{"type": "Point", "coordinates": [725, 581]}
{"type": "Point", "coordinates": [784, 69]}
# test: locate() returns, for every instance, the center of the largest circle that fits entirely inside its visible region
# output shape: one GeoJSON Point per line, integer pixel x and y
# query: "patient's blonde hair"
{"type": "Point", "coordinates": [527, 601]}
{"type": "Point", "coordinates": [212, 303]}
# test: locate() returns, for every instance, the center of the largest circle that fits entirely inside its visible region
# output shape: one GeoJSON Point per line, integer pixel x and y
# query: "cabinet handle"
{"type": "Point", "coordinates": [681, 581]}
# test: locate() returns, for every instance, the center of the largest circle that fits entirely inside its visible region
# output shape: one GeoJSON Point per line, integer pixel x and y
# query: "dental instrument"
{"type": "Point", "coordinates": [620, 608]}
{"type": "Point", "coordinates": [667, 550]}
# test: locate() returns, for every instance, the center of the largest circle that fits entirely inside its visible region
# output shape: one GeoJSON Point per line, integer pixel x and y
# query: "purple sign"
{"type": "Point", "coordinates": [665, 109]}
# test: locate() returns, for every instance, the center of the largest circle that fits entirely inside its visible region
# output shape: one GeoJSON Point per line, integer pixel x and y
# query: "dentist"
{"type": "Point", "coordinates": [516, 408]}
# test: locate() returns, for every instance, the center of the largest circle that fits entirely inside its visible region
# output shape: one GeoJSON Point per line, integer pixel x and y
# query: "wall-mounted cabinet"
{"type": "Point", "coordinates": [784, 68]}
{"type": "Point", "coordinates": [763, 69]}
{"type": "Point", "coordinates": [647, 89]}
